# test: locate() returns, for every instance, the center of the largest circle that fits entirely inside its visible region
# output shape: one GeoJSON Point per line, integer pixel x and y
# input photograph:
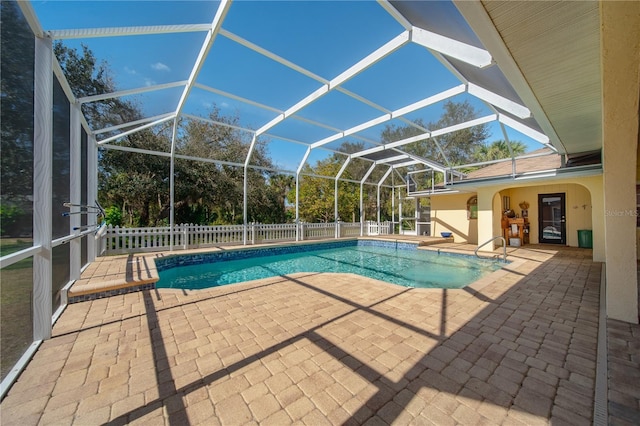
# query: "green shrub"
{"type": "Point", "coordinates": [113, 216]}
{"type": "Point", "coordinates": [9, 215]}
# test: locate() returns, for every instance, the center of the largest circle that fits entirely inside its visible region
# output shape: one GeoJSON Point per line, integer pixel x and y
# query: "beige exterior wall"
{"type": "Point", "coordinates": [637, 183]}
{"type": "Point", "coordinates": [620, 60]}
{"type": "Point", "coordinates": [578, 207]}
{"type": "Point", "coordinates": [584, 210]}
{"type": "Point", "coordinates": [449, 213]}
{"type": "Point", "coordinates": [488, 218]}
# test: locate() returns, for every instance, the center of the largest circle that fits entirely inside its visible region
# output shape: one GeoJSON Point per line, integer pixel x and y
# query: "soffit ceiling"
{"type": "Point", "coordinates": [556, 47]}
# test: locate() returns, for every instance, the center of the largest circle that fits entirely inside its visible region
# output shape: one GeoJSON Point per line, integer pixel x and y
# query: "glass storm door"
{"type": "Point", "coordinates": [551, 217]}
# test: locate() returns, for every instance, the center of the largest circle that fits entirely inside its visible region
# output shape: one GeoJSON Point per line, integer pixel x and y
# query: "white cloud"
{"type": "Point", "coordinates": [159, 66]}
{"type": "Point", "coordinates": [130, 71]}
{"type": "Point", "coordinates": [148, 82]}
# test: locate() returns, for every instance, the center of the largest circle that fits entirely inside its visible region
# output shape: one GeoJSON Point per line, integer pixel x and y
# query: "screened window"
{"type": "Point", "coordinates": [16, 123]}
{"type": "Point", "coordinates": [83, 193]}
{"type": "Point", "coordinates": [16, 320]}
{"type": "Point", "coordinates": [61, 258]}
{"type": "Point", "coordinates": [16, 191]}
{"type": "Point", "coordinates": [61, 161]}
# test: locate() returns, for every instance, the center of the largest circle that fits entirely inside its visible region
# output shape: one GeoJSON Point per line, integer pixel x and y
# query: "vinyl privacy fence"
{"type": "Point", "coordinates": [116, 240]}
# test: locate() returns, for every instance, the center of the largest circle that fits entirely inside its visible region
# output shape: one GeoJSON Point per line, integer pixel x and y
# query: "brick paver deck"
{"type": "Point", "coordinates": [519, 348]}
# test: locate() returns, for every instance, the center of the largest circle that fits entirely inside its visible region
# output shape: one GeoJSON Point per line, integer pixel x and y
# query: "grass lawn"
{"type": "Point", "coordinates": [16, 292]}
{"type": "Point", "coordinates": [12, 245]}
{"type": "Point", "coordinates": [16, 325]}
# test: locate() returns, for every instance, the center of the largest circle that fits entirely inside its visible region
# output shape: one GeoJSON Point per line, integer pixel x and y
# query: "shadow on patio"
{"type": "Point", "coordinates": [327, 348]}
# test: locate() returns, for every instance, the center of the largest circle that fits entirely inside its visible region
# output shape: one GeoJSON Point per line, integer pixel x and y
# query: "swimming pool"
{"type": "Point", "coordinates": [393, 262]}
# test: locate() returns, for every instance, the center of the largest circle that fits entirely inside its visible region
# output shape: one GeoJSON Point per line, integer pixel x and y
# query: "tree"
{"type": "Point", "coordinates": [88, 77]}
{"type": "Point", "coordinates": [16, 120]}
{"type": "Point", "coordinates": [317, 194]}
{"type": "Point", "coordinates": [215, 190]}
{"type": "Point", "coordinates": [317, 200]}
{"type": "Point", "coordinates": [356, 170]}
{"type": "Point", "coordinates": [458, 146]}
{"type": "Point", "coordinates": [425, 148]}
{"type": "Point", "coordinates": [279, 187]}
{"type": "Point", "coordinates": [497, 150]}
{"type": "Point", "coordinates": [138, 184]}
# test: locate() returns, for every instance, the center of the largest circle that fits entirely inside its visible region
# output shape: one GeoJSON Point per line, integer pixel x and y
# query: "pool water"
{"type": "Point", "coordinates": [405, 267]}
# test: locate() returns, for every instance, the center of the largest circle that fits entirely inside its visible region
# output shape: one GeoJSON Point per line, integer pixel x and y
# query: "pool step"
{"type": "Point", "coordinates": [115, 275]}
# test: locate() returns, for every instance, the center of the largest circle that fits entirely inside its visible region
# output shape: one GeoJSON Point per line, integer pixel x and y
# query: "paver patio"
{"type": "Point", "coordinates": [518, 348]}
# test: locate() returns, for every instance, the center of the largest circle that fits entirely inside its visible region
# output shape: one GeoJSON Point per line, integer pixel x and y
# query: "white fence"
{"type": "Point", "coordinates": [378, 228]}
{"type": "Point", "coordinates": [118, 240]}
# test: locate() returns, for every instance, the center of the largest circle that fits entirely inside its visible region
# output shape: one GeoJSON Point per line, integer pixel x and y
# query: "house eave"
{"type": "Point", "coordinates": [541, 176]}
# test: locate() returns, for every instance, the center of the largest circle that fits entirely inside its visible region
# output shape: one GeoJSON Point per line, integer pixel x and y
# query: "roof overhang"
{"type": "Point", "coordinates": [528, 179]}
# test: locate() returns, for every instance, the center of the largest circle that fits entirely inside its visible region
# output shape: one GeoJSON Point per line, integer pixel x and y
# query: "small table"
{"type": "Point", "coordinates": [523, 229]}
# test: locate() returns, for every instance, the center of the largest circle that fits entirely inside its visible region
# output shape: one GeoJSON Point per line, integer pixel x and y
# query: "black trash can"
{"type": "Point", "coordinates": [585, 238]}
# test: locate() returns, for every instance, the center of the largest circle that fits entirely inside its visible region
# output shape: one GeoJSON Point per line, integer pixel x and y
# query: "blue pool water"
{"type": "Point", "coordinates": [400, 264]}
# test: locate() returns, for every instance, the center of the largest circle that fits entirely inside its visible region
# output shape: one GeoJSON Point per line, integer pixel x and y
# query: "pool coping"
{"type": "Point", "coordinates": [113, 275]}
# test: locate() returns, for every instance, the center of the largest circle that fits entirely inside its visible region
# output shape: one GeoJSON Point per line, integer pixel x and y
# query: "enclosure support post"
{"type": "Point", "coordinates": [42, 188]}
{"type": "Point", "coordinates": [393, 204]}
{"type": "Point", "coordinates": [245, 186]}
{"type": "Point", "coordinates": [361, 211]}
{"type": "Point", "coordinates": [366, 176]}
{"type": "Point", "coordinates": [335, 197]}
{"type": "Point", "coordinates": [386, 175]}
{"type": "Point", "coordinates": [400, 212]}
{"type": "Point", "coordinates": [433, 183]}
{"type": "Point", "coordinates": [378, 203]}
{"type": "Point", "coordinates": [298, 171]}
{"type": "Point", "coordinates": [92, 193]}
{"type": "Point", "coordinates": [172, 223]}
{"type": "Point", "coordinates": [75, 176]}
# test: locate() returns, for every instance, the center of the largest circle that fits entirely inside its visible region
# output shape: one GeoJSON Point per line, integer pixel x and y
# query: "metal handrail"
{"type": "Point", "coordinates": [504, 246]}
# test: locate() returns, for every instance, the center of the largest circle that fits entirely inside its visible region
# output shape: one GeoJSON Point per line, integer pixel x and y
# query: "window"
{"type": "Point", "coordinates": [472, 208]}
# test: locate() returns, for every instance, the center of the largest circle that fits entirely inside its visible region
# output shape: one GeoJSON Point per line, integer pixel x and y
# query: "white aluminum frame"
{"type": "Point", "coordinates": [42, 188]}
{"type": "Point", "coordinates": [126, 31]}
{"type": "Point", "coordinates": [362, 181]}
{"type": "Point", "coordinates": [441, 47]}
{"type": "Point", "coordinates": [75, 151]}
{"type": "Point", "coordinates": [436, 44]}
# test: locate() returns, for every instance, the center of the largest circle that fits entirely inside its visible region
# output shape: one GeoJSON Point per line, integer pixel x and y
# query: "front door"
{"type": "Point", "coordinates": [551, 219]}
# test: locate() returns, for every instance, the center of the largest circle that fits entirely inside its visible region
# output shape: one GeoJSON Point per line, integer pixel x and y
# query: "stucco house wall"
{"type": "Point", "coordinates": [578, 208]}
{"type": "Point", "coordinates": [449, 213]}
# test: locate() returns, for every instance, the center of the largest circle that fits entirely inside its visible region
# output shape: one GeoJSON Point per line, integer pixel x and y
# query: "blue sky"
{"type": "Point", "coordinates": [322, 37]}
